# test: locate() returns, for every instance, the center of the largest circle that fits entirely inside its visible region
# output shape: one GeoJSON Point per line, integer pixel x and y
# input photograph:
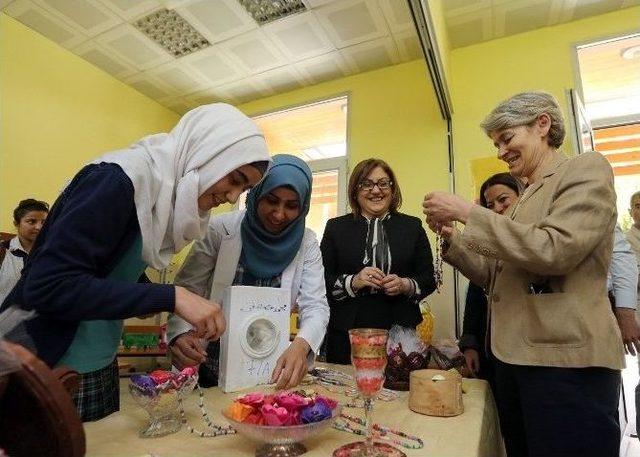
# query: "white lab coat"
{"type": "Point", "coordinates": [221, 248]}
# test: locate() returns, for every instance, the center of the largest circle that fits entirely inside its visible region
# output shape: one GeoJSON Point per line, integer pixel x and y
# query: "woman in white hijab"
{"type": "Point", "coordinates": [125, 211]}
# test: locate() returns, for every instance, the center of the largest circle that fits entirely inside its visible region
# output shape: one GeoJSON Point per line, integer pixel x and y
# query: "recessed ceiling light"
{"type": "Point", "coordinates": [631, 53]}
{"type": "Point", "coordinates": [172, 32]}
{"type": "Point", "coordinates": [264, 11]}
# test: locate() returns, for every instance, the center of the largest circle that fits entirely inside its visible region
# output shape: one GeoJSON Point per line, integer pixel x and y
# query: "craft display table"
{"type": "Point", "coordinates": [473, 433]}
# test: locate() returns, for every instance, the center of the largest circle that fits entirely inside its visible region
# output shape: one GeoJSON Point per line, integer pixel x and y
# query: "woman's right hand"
{"type": "Point", "coordinates": [206, 317]}
{"type": "Point", "coordinates": [368, 277]}
{"type": "Point", "coordinates": [472, 359]}
{"type": "Point", "coordinates": [187, 350]}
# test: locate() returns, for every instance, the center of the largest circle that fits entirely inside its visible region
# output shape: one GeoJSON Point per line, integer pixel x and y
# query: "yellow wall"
{"type": "Point", "coordinates": [393, 115]}
{"type": "Point", "coordinates": [486, 73]}
{"type": "Point", "coordinates": [442, 36]}
{"type": "Point", "coordinates": [57, 112]}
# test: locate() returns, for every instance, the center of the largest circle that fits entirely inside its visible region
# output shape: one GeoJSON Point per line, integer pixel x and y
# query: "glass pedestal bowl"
{"type": "Point", "coordinates": [285, 440]}
{"type": "Point", "coordinates": [161, 403]}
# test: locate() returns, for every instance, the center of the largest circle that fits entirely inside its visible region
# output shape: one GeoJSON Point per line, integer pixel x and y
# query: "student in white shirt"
{"type": "Point", "coordinates": [28, 218]}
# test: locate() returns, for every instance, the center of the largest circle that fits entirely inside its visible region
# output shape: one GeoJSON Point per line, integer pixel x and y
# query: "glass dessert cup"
{"type": "Point", "coordinates": [284, 440]}
{"type": "Point", "coordinates": [369, 360]}
{"type": "Point", "coordinates": [162, 406]}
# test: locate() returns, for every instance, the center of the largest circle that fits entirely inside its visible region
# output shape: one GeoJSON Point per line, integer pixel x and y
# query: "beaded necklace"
{"type": "Point", "coordinates": [341, 383]}
{"type": "Point", "coordinates": [354, 403]}
{"type": "Point", "coordinates": [437, 271]}
{"type": "Point", "coordinates": [345, 421]}
{"type": "Point", "coordinates": [218, 430]}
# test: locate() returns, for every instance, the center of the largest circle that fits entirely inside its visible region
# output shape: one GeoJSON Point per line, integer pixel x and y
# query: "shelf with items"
{"type": "Point", "coordinates": [143, 341]}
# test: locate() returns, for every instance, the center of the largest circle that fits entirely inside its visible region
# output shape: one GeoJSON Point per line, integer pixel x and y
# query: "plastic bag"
{"type": "Point", "coordinates": [404, 339]}
{"type": "Point", "coordinates": [424, 329]}
{"type": "Point", "coordinates": [445, 354]}
{"type": "Point", "coordinates": [405, 353]}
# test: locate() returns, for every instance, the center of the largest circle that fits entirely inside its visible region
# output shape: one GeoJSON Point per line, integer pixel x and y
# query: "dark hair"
{"type": "Point", "coordinates": [360, 173]}
{"type": "Point", "coordinates": [261, 166]}
{"type": "Point", "coordinates": [499, 178]}
{"type": "Point", "coordinates": [28, 205]}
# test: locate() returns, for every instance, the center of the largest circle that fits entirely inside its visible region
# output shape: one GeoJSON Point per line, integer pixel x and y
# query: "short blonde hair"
{"type": "Point", "coordinates": [524, 109]}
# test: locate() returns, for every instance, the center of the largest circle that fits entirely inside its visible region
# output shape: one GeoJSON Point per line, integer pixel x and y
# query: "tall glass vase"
{"type": "Point", "coordinates": [369, 360]}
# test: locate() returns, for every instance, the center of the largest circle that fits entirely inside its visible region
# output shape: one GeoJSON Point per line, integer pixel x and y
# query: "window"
{"type": "Point", "coordinates": [610, 76]}
{"type": "Point", "coordinates": [621, 146]}
{"type": "Point", "coordinates": [317, 133]}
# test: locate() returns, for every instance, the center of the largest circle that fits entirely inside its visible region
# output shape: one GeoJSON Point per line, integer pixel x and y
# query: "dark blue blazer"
{"type": "Point", "coordinates": [88, 230]}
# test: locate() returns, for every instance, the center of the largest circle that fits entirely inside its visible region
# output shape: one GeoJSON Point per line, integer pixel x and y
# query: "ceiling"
{"type": "Point", "coordinates": [333, 38]}
{"type": "Point", "coordinates": [473, 21]}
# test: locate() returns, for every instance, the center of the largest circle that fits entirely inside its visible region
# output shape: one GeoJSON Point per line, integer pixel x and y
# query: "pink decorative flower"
{"type": "Point", "coordinates": [275, 416]}
{"type": "Point", "coordinates": [189, 371]}
{"type": "Point", "coordinates": [291, 401]}
{"type": "Point", "coordinates": [294, 418]}
{"type": "Point", "coordinates": [269, 399]}
{"type": "Point", "coordinates": [282, 409]}
{"type": "Point", "coordinates": [255, 399]}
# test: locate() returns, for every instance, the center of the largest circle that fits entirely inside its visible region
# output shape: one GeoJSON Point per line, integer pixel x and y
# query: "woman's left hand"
{"type": "Point", "coordinates": [395, 285]}
{"type": "Point", "coordinates": [443, 208]}
{"type": "Point", "coordinates": [292, 365]}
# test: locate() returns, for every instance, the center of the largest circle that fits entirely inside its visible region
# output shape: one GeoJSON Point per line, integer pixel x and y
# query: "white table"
{"type": "Point", "coordinates": [473, 433]}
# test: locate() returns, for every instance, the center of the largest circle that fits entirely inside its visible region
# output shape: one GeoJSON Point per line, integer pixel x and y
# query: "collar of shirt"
{"type": "Point", "coordinates": [16, 247]}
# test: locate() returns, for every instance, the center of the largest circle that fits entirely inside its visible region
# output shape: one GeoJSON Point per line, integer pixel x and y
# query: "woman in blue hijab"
{"type": "Point", "coordinates": [265, 245]}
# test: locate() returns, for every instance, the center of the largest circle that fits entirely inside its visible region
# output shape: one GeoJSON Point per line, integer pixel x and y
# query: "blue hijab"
{"type": "Point", "coordinates": [264, 254]}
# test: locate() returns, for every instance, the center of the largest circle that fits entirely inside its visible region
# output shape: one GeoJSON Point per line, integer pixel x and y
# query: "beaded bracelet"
{"type": "Point", "coordinates": [380, 432]}
{"type": "Point", "coordinates": [218, 430]}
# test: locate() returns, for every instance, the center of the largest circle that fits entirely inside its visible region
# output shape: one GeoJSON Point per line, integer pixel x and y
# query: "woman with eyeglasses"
{"type": "Point", "coordinates": [377, 261]}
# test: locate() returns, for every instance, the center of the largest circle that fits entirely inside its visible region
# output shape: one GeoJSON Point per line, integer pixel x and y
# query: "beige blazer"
{"type": "Point", "coordinates": [559, 233]}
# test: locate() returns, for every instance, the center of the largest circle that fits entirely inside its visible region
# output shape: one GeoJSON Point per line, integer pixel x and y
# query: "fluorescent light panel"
{"type": "Point", "coordinates": [172, 32]}
{"type": "Point", "coordinates": [265, 11]}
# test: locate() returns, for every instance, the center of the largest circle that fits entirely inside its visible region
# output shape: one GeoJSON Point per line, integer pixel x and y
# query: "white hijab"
{"type": "Point", "coordinates": [169, 171]}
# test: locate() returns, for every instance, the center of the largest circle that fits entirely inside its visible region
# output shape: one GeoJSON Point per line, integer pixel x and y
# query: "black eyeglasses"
{"type": "Point", "coordinates": [382, 184]}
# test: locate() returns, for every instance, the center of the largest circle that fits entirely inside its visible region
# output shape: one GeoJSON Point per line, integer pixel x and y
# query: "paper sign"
{"type": "Point", "coordinates": [257, 334]}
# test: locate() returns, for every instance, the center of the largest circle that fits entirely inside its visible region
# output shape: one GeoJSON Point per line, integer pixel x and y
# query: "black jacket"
{"type": "Point", "coordinates": [343, 246]}
{"type": "Point", "coordinates": [474, 325]}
